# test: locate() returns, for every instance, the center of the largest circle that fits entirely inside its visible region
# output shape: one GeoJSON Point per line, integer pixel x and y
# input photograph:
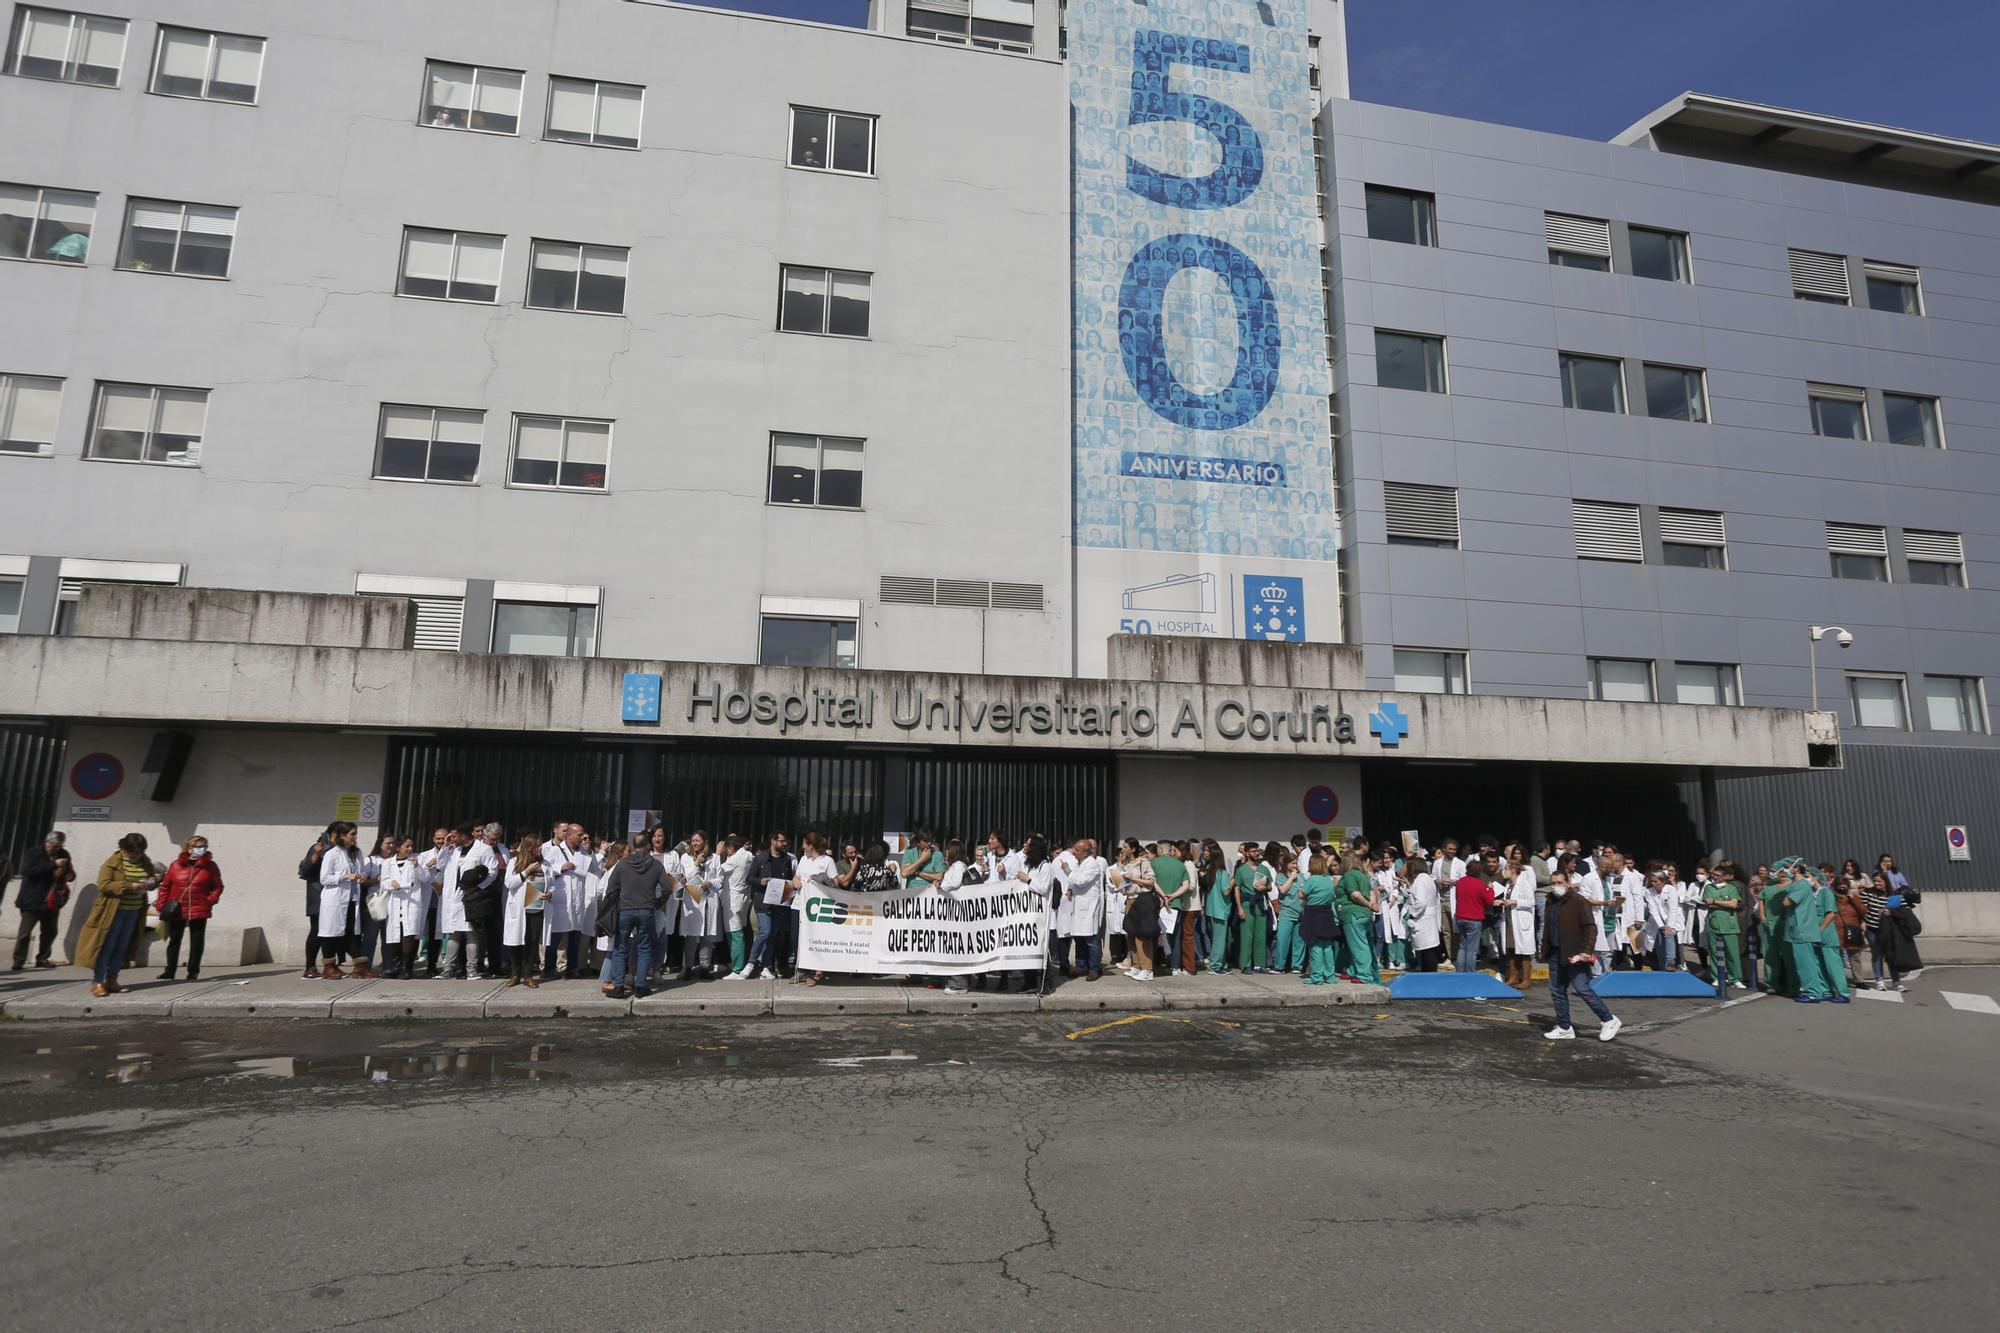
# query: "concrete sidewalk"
{"type": "Point", "coordinates": [268, 991]}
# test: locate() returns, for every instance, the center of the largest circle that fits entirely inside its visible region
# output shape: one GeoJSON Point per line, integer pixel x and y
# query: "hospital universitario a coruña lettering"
{"type": "Point", "coordinates": [913, 709]}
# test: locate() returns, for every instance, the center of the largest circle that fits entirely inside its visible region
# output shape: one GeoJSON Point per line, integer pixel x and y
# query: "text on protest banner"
{"type": "Point", "coordinates": [925, 932]}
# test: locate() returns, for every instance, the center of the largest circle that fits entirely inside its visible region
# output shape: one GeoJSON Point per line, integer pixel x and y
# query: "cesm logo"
{"type": "Point", "coordinates": [832, 912]}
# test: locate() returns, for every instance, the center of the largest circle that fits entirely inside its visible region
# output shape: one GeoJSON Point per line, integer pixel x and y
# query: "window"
{"type": "Point", "coordinates": [561, 452]}
{"type": "Point", "coordinates": [213, 66]}
{"type": "Point", "coordinates": [73, 576]}
{"type": "Point", "coordinates": [29, 405]}
{"type": "Point", "coordinates": [1409, 361]}
{"type": "Point", "coordinates": [1706, 683]}
{"type": "Point", "coordinates": [1401, 215]}
{"type": "Point", "coordinates": [802, 642]}
{"type": "Point", "coordinates": [975, 594]}
{"type": "Point", "coordinates": [428, 443]}
{"type": "Point", "coordinates": [1913, 420]}
{"type": "Point", "coordinates": [1660, 254]}
{"type": "Point", "coordinates": [466, 97]}
{"type": "Point", "coordinates": [1621, 680]}
{"type": "Point", "coordinates": [1693, 539]}
{"type": "Point", "coordinates": [440, 603]}
{"type": "Point", "coordinates": [1592, 383]}
{"type": "Point", "coordinates": [578, 277]}
{"type": "Point", "coordinates": [1428, 671]}
{"type": "Point", "coordinates": [75, 48]}
{"type": "Point", "coordinates": [1936, 558]}
{"type": "Point", "coordinates": [818, 300]}
{"type": "Point", "coordinates": [1838, 411]}
{"type": "Point", "coordinates": [965, 28]}
{"type": "Point", "coordinates": [11, 587]}
{"type": "Point", "coordinates": [1858, 551]}
{"type": "Point", "coordinates": [1952, 703]}
{"type": "Point", "coordinates": [51, 225]}
{"type": "Point", "coordinates": [1820, 277]}
{"type": "Point", "coordinates": [193, 240]}
{"type": "Point", "coordinates": [1893, 287]}
{"type": "Point", "coordinates": [1578, 242]}
{"type": "Point", "coordinates": [1420, 515]}
{"type": "Point", "coordinates": [1879, 701]}
{"type": "Point", "coordinates": [585, 111]}
{"type": "Point", "coordinates": [146, 423]}
{"type": "Point", "coordinates": [815, 470]}
{"type": "Point", "coordinates": [833, 141]}
{"type": "Point", "coordinates": [451, 265]}
{"type": "Point", "coordinates": [1674, 393]}
{"type": "Point", "coordinates": [1607, 531]}
{"type": "Point", "coordinates": [544, 629]}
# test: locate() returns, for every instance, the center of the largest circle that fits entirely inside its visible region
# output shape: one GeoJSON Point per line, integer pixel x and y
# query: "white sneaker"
{"type": "Point", "coordinates": [1560, 1034]}
{"type": "Point", "coordinates": [1609, 1030]}
{"type": "Point", "coordinates": [1142, 976]}
{"type": "Point", "coordinates": [737, 976]}
{"type": "Point", "coordinates": [1739, 985]}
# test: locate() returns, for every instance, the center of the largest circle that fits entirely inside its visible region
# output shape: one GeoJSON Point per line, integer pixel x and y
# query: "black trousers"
{"type": "Point", "coordinates": [33, 918]}
{"type": "Point", "coordinates": [197, 931]}
{"type": "Point", "coordinates": [523, 959]}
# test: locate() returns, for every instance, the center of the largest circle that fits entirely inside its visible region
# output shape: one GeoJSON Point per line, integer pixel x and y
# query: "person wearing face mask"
{"type": "Point", "coordinates": [1571, 945]}
{"type": "Point", "coordinates": [189, 890]}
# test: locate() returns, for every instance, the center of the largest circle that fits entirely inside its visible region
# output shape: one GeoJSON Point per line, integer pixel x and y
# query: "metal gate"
{"type": "Point", "coordinates": [757, 793]}
{"type": "Point", "coordinates": [524, 786]}
{"type": "Point", "coordinates": [31, 766]}
{"type": "Point", "coordinates": [968, 796]}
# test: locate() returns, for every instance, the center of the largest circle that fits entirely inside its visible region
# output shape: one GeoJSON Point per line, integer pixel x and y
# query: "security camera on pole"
{"type": "Point", "coordinates": [1813, 634]}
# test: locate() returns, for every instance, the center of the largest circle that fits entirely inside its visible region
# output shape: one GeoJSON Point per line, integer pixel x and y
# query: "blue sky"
{"type": "Point", "coordinates": [1592, 67]}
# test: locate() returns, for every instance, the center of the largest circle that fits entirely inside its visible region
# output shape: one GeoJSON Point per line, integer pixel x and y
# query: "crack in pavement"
{"type": "Point", "coordinates": [1835, 1286]}
{"type": "Point", "coordinates": [1462, 1217]}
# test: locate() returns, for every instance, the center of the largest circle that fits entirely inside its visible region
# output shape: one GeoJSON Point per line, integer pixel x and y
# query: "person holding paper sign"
{"type": "Point", "coordinates": [698, 907]}
{"type": "Point", "coordinates": [816, 873]}
{"type": "Point", "coordinates": [771, 875]}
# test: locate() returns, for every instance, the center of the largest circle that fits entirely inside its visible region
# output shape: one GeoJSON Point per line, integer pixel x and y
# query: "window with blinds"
{"type": "Point", "coordinates": [592, 112]}
{"type": "Point", "coordinates": [193, 240]}
{"type": "Point", "coordinates": [1820, 277]}
{"type": "Point", "coordinates": [451, 265]}
{"type": "Point", "coordinates": [440, 623]}
{"type": "Point", "coordinates": [211, 66]}
{"type": "Point", "coordinates": [74, 48]}
{"type": "Point", "coordinates": [975, 594]}
{"type": "Point", "coordinates": [1576, 242]}
{"type": "Point", "coordinates": [1419, 515]}
{"type": "Point", "coordinates": [1894, 288]}
{"type": "Point", "coordinates": [1607, 531]}
{"type": "Point", "coordinates": [1936, 558]}
{"type": "Point", "coordinates": [1693, 538]}
{"type": "Point", "coordinates": [148, 423]}
{"type": "Point", "coordinates": [1858, 551]}
{"type": "Point", "coordinates": [29, 407]}
{"type": "Point", "coordinates": [70, 591]}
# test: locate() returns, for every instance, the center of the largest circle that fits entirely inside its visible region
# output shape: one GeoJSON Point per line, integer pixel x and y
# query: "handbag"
{"type": "Point", "coordinates": [378, 905]}
{"type": "Point", "coordinates": [172, 910]}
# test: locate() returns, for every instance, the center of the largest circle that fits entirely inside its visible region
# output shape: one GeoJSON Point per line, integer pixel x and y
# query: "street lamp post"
{"type": "Point", "coordinates": [1813, 635]}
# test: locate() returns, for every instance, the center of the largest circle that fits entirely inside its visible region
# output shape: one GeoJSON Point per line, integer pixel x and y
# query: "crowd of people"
{"type": "Point", "coordinates": [468, 903]}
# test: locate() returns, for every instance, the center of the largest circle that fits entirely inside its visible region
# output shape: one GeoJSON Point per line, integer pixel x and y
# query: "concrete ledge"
{"type": "Point", "coordinates": [266, 993]}
{"type": "Point", "coordinates": [835, 998]}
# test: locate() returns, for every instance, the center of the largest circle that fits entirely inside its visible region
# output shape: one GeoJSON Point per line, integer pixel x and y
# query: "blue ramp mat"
{"type": "Point", "coordinates": [1450, 986]}
{"type": "Point", "coordinates": [1653, 985]}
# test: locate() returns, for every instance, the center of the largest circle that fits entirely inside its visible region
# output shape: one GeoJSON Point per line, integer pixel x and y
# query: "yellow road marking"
{"type": "Point", "coordinates": [1490, 1018]}
{"type": "Point", "coordinates": [1121, 1022]}
{"type": "Point", "coordinates": [1226, 1023]}
{"type": "Point", "coordinates": [711, 1048]}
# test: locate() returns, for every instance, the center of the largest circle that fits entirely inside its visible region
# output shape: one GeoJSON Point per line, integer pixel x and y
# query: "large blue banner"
{"type": "Point", "coordinates": [1201, 446]}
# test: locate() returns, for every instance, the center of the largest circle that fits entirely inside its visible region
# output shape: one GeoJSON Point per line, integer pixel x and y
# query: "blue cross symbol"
{"type": "Point", "coordinates": [642, 697]}
{"type": "Point", "coordinates": [1389, 723]}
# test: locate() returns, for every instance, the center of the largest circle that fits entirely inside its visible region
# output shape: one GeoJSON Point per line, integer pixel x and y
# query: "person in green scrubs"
{"type": "Point", "coordinates": [1219, 906]}
{"type": "Point", "coordinates": [1780, 977]}
{"type": "Point", "coordinates": [1724, 897]}
{"type": "Point", "coordinates": [1827, 908]}
{"type": "Point", "coordinates": [1355, 906]}
{"type": "Point", "coordinates": [1802, 935]}
{"type": "Point", "coordinates": [1320, 918]}
{"type": "Point", "coordinates": [1289, 954]}
{"type": "Point", "coordinates": [1250, 898]}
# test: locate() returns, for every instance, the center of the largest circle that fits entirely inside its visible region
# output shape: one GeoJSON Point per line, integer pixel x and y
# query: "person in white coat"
{"type": "Point", "coordinates": [1393, 897]}
{"type": "Point", "coordinates": [432, 863]}
{"type": "Point", "coordinates": [739, 898]}
{"type": "Point", "coordinates": [1080, 914]}
{"type": "Point", "coordinates": [478, 868]}
{"type": "Point", "coordinates": [816, 872]}
{"type": "Point", "coordinates": [1043, 875]}
{"type": "Point", "coordinates": [1518, 893]}
{"type": "Point", "coordinates": [1665, 920]}
{"type": "Point", "coordinates": [1424, 913]}
{"type": "Point", "coordinates": [571, 918]}
{"type": "Point", "coordinates": [521, 911]}
{"type": "Point", "coordinates": [1592, 888]}
{"type": "Point", "coordinates": [342, 872]}
{"type": "Point", "coordinates": [408, 890]}
{"type": "Point", "coordinates": [698, 907]}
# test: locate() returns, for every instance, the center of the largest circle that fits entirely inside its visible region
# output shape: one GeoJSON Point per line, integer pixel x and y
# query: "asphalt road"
{"type": "Point", "coordinates": [1763, 1165]}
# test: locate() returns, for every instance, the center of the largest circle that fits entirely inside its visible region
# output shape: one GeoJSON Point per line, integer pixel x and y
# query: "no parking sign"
{"type": "Point", "coordinates": [1955, 844]}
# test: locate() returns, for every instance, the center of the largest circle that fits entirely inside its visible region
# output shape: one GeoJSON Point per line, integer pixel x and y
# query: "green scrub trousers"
{"type": "Point", "coordinates": [1289, 954]}
{"type": "Point", "coordinates": [1732, 945]}
{"type": "Point", "coordinates": [1251, 942]}
{"type": "Point", "coordinates": [1218, 944]}
{"type": "Point", "coordinates": [1319, 963]}
{"type": "Point", "coordinates": [1359, 938]}
{"type": "Point", "coordinates": [1805, 961]}
{"type": "Point", "coordinates": [1779, 973]}
{"type": "Point", "coordinates": [1399, 953]}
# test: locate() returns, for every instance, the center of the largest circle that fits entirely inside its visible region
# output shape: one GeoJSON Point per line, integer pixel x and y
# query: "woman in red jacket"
{"type": "Point", "coordinates": [188, 891]}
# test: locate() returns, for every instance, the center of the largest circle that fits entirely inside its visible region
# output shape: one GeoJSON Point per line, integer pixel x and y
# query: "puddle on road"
{"type": "Point", "coordinates": [469, 1062]}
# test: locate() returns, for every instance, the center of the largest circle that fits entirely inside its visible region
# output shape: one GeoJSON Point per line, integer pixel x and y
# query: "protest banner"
{"type": "Point", "coordinates": [1000, 927]}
